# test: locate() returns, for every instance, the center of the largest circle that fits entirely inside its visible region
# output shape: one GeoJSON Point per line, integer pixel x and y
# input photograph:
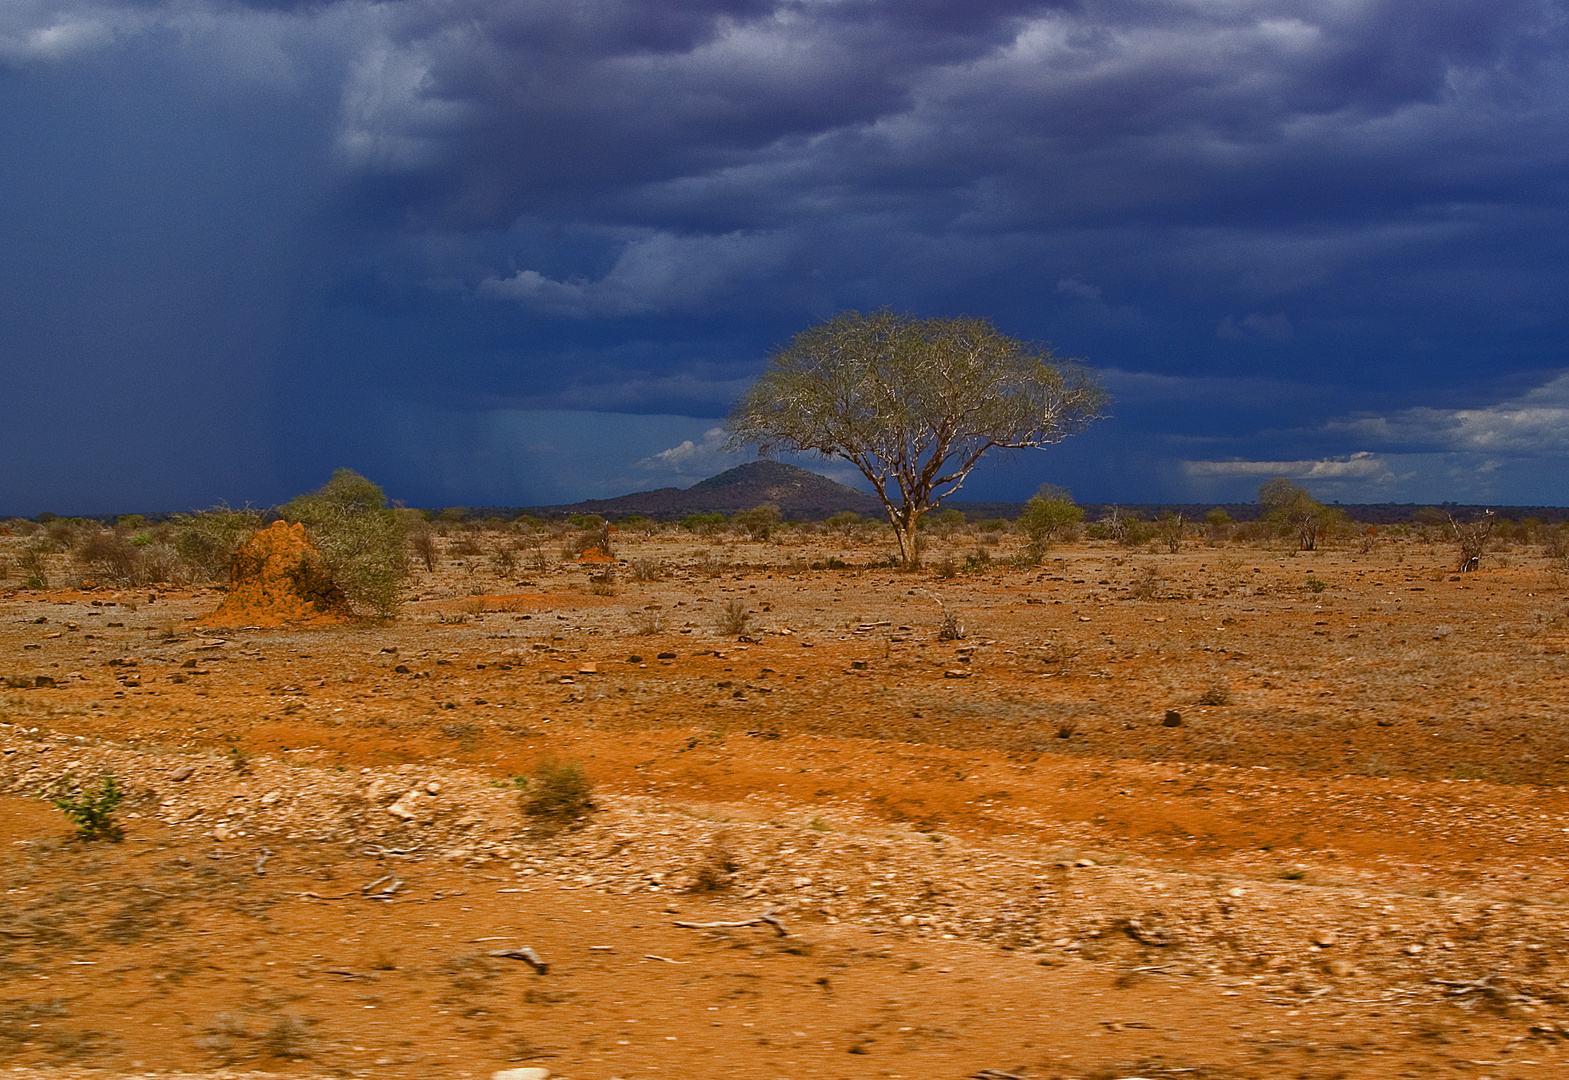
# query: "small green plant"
{"type": "Point", "coordinates": [1316, 585]}
{"type": "Point", "coordinates": [240, 760]}
{"type": "Point", "coordinates": [977, 561]}
{"type": "Point", "coordinates": [558, 793]}
{"type": "Point", "coordinates": [91, 810]}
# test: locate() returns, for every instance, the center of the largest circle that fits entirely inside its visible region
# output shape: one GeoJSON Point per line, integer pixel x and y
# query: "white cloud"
{"type": "Point", "coordinates": [656, 272]}
{"type": "Point", "coordinates": [390, 117]}
{"type": "Point", "coordinates": [1363, 465]}
{"type": "Point", "coordinates": [688, 457]}
{"type": "Point", "coordinates": [1536, 423]}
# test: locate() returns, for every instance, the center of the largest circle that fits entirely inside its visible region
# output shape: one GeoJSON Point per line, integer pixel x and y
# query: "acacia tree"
{"type": "Point", "coordinates": [1295, 510]}
{"type": "Point", "coordinates": [913, 403]}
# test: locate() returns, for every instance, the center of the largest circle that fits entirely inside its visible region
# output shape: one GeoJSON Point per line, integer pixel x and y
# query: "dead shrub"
{"type": "Point", "coordinates": [603, 583]}
{"type": "Point", "coordinates": [645, 569]}
{"type": "Point", "coordinates": [287, 1039]}
{"type": "Point", "coordinates": [716, 867]}
{"type": "Point", "coordinates": [1145, 585]}
{"type": "Point", "coordinates": [558, 794]}
{"type": "Point", "coordinates": [1216, 692]}
{"type": "Point", "coordinates": [504, 560]}
{"type": "Point", "coordinates": [733, 619]}
{"type": "Point", "coordinates": [709, 566]}
{"type": "Point", "coordinates": [1471, 538]}
{"type": "Point", "coordinates": [223, 1038]}
{"type": "Point", "coordinates": [423, 543]}
{"type": "Point", "coordinates": [646, 623]}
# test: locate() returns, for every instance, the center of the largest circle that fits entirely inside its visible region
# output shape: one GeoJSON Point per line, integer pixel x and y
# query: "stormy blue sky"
{"type": "Point", "coordinates": [517, 252]}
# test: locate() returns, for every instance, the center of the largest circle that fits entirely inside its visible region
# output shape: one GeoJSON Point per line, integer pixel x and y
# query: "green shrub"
{"type": "Point", "coordinates": [844, 521]}
{"type": "Point", "coordinates": [1050, 516]}
{"type": "Point", "coordinates": [706, 524]}
{"type": "Point", "coordinates": [91, 810]}
{"type": "Point", "coordinates": [206, 540]}
{"type": "Point", "coordinates": [361, 543]}
{"type": "Point", "coordinates": [977, 561]}
{"type": "Point", "coordinates": [759, 522]}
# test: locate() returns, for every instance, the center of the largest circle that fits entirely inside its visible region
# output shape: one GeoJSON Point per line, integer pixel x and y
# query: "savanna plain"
{"type": "Point", "coordinates": [1233, 811]}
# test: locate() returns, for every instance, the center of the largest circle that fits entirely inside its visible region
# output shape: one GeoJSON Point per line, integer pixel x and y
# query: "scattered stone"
{"type": "Point", "coordinates": [434, 787]}
{"type": "Point", "coordinates": [184, 772]}
{"type": "Point", "coordinates": [531, 1072]}
{"type": "Point", "coordinates": [1173, 719]}
{"type": "Point", "coordinates": [1326, 938]}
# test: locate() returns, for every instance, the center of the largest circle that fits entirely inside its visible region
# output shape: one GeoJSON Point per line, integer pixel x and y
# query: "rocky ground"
{"type": "Point", "coordinates": [1231, 812]}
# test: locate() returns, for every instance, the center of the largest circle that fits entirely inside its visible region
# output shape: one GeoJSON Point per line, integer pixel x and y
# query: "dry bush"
{"type": "Point", "coordinates": [646, 623]}
{"type": "Point", "coordinates": [222, 1038]}
{"type": "Point", "coordinates": [733, 619]}
{"type": "Point", "coordinates": [287, 1039]}
{"type": "Point", "coordinates": [558, 794]}
{"type": "Point", "coordinates": [1216, 692]}
{"type": "Point", "coordinates": [423, 542]}
{"type": "Point", "coordinates": [1471, 537]}
{"type": "Point", "coordinates": [646, 569]}
{"type": "Point", "coordinates": [1145, 585]}
{"type": "Point", "coordinates": [709, 566]}
{"type": "Point", "coordinates": [503, 560]}
{"type": "Point", "coordinates": [716, 867]}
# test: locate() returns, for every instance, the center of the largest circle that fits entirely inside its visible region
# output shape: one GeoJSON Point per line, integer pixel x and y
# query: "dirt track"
{"type": "Point", "coordinates": [988, 854]}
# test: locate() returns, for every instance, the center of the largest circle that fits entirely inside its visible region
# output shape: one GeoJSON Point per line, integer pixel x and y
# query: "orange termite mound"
{"type": "Point", "coordinates": [276, 577]}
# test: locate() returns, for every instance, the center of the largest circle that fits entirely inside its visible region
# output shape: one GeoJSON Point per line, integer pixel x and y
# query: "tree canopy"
{"type": "Point", "coordinates": [1289, 505]}
{"type": "Point", "coordinates": [913, 403]}
{"type": "Point", "coordinates": [361, 543]}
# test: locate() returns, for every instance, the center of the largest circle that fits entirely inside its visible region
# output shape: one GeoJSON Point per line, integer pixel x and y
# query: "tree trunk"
{"type": "Point", "coordinates": [907, 550]}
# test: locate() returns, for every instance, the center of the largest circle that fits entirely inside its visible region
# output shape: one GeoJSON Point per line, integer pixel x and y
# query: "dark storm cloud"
{"type": "Point", "coordinates": [1290, 226]}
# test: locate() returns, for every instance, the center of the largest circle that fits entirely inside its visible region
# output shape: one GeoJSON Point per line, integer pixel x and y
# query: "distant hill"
{"type": "Point", "coordinates": [803, 495]}
{"type": "Point", "coordinates": [800, 494]}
